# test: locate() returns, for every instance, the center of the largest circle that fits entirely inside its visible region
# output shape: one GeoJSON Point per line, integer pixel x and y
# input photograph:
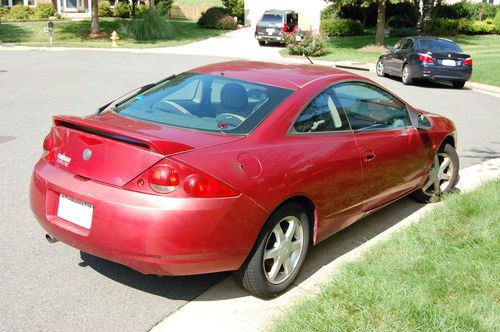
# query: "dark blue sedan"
{"type": "Point", "coordinates": [426, 58]}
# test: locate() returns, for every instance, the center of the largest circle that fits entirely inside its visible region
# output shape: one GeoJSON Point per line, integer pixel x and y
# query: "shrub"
{"type": "Point", "coordinates": [44, 11]}
{"type": "Point", "coordinates": [210, 19]}
{"type": "Point", "coordinates": [141, 10]}
{"type": "Point", "coordinates": [122, 10]}
{"type": "Point", "coordinates": [466, 10]}
{"type": "Point", "coordinates": [403, 32]}
{"type": "Point", "coordinates": [104, 9]}
{"type": "Point", "coordinates": [496, 21]}
{"type": "Point", "coordinates": [329, 12]}
{"type": "Point", "coordinates": [445, 26]}
{"type": "Point", "coordinates": [402, 14]}
{"type": "Point", "coordinates": [20, 13]}
{"type": "Point", "coordinates": [227, 23]}
{"type": "Point", "coordinates": [341, 27]}
{"type": "Point", "coordinates": [235, 8]}
{"type": "Point", "coordinates": [310, 45]}
{"type": "Point", "coordinates": [150, 27]}
{"type": "Point", "coordinates": [475, 27]}
{"type": "Point", "coordinates": [4, 11]}
{"type": "Point", "coordinates": [163, 6]}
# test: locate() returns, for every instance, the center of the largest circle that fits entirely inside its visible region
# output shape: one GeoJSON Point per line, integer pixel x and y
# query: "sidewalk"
{"type": "Point", "coordinates": [226, 307]}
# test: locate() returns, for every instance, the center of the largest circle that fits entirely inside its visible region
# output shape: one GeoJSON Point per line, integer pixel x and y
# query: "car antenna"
{"type": "Point", "coordinates": [309, 59]}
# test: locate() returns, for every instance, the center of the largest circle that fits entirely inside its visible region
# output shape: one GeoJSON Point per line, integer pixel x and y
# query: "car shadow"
{"type": "Point", "coordinates": [437, 84]}
{"type": "Point", "coordinates": [189, 287]}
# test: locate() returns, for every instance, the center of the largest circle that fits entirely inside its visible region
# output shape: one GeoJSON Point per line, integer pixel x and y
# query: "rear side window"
{"type": "Point", "coordinates": [205, 102]}
{"type": "Point", "coordinates": [321, 115]}
{"type": "Point", "coordinates": [272, 18]}
{"type": "Point", "coordinates": [437, 45]}
{"type": "Point", "coordinates": [370, 108]}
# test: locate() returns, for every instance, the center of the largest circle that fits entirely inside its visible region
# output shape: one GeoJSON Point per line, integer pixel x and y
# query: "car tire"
{"type": "Point", "coordinates": [458, 84]}
{"type": "Point", "coordinates": [406, 75]}
{"type": "Point", "coordinates": [278, 254]}
{"type": "Point", "coordinates": [380, 69]}
{"type": "Point", "coordinates": [443, 175]}
{"type": "Point", "coordinates": [262, 43]}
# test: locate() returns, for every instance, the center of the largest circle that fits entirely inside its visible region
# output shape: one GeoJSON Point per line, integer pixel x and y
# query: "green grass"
{"type": "Point", "coordinates": [74, 34]}
{"type": "Point", "coordinates": [484, 50]}
{"type": "Point", "coordinates": [442, 274]}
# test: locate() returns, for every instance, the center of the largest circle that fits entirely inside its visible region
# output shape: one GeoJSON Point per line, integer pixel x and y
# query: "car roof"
{"type": "Point", "coordinates": [430, 38]}
{"type": "Point", "coordinates": [277, 11]}
{"type": "Point", "coordinates": [288, 76]}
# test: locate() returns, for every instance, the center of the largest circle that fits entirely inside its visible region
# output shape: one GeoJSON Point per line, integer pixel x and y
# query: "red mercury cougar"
{"type": "Point", "coordinates": [237, 166]}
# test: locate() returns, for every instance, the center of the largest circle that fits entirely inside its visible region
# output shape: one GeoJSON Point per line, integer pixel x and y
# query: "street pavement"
{"type": "Point", "coordinates": [54, 286]}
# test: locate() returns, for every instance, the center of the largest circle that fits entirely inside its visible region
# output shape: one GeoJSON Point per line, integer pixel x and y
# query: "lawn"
{"type": "Point", "coordinates": [484, 49]}
{"type": "Point", "coordinates": [74, 34]}
{"type": "Point", "coordinates": [442, 274]}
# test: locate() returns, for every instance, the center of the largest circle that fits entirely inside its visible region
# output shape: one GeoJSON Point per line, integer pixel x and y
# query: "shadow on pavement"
{"type": "Point", "coordinates": [437, 84]}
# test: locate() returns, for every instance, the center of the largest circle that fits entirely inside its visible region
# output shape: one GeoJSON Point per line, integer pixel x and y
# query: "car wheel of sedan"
{"type": "Point", "coordinates": [458, 84]}
{"type": "Point", "coordinates": [443, 175]}
{"type": "Point", "coordinates": [278, 254]}
{"type": "Point", "coordinates": [380, 68]}
{"type": "Point", "coordinates": [406, 75]}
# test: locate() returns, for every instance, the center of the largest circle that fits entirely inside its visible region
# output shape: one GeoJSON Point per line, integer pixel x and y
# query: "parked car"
{"type": "Point", "coordinates": [426, 58]}
{"type": "Point", "coordinates": [237, 166]}
{"type": "Point", "coordinates": [274, 23]}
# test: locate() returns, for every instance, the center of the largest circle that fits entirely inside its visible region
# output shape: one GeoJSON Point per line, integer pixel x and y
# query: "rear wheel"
{"type": "Point", "coordinates": [458, 84]}
{"type": "Point", "coordinates": [262, 42]}
{"type": "Point", "coordinates": [406, 75]}
{"type": "Point", "coordinates": [279, 253]}
{"type": "Point", "coordinates": [442, 177]}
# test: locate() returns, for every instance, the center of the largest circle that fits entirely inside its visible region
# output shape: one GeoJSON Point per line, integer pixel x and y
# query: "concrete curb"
{"type": "Point", "coordinates": [226, 307]}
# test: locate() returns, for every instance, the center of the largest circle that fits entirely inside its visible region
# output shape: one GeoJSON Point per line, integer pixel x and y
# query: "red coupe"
{"type": "Point", "coordinates": [237, 166]}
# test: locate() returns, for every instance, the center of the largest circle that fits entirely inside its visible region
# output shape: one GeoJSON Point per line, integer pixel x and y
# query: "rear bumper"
{"type": "Point", "coordinates": [264, 37]}
{"type": "Point", "coordinates": [423, 71]}
{"type": "Point", "coordinates": [151, 234]}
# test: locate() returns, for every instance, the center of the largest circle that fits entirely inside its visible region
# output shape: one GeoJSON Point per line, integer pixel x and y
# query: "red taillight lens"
{"type": "Point", "coordinates": [179, 180]}
{"type": "Point", "coordinates": [285, 27]}
{"type": "Point", "coordinates": [468, 62]}
{"type": "Point", "coordinates": [48, 143]}
{"type": "Point", "coordinates": [163, 179]}
{"type": "Point", "coordinates": [426, 58]}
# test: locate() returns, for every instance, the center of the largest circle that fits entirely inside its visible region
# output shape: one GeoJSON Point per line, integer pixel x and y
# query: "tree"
{"type": "Point", "coordinates": [94, 18]}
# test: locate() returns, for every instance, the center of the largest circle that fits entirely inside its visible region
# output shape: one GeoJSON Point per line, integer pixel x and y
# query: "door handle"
{"type": "Point", "coordinates": [369, 155]}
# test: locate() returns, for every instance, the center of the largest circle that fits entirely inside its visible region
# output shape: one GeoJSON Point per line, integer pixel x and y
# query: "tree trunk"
{"type": "Point", "coordinates": [379, 37]}
{"type": "Point", "coordinates": [94, 21]}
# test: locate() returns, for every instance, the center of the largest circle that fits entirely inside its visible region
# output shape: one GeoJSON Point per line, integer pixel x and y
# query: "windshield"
{"type": "Point", "coordinates": [205, 102]}
{"type": "Point", "coordinates": [438, 45]}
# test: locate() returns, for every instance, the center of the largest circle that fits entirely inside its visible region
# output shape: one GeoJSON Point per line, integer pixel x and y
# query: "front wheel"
{"type": "Point", "coordinates": [380, 68]}
{"type": "Point", "coordinates": [442, 177]}
{"type": "Point", "coordinates": [278, 254]}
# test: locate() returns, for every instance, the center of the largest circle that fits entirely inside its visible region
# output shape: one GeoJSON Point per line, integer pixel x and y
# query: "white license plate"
{"type": "Point", "coordinates": [270, 31]}
{"type": "Point", "coordinates": [75, 211]}
{"type": "Point", "coordinates": [450, 63]}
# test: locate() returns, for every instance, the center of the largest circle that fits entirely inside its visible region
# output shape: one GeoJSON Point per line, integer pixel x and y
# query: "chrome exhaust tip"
{"type": "Point", "coordinates": [50, 239]}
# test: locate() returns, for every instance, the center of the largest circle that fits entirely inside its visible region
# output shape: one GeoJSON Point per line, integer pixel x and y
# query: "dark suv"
{"type": "Point", "coordinates": [426, 58]}
{"type": "Point", "coordinates": [273, 23]}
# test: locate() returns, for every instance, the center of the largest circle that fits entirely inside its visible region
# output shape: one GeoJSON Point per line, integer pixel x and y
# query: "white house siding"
{"type": "Point", "coordinates": [309, 11]}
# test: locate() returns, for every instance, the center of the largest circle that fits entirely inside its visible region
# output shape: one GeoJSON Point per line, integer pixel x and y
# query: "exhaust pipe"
{"type": "Point", "coordinates": [50, 239]}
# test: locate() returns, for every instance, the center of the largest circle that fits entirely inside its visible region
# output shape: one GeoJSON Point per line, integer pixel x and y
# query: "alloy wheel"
{"type": "Point", "coordinates": [380, 68]}
{"type": "Point", "coordinates": [283, 249]}
{"type": "Point", "coordinates": [439, 176]}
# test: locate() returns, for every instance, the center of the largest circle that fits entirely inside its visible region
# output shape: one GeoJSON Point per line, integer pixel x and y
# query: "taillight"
{"type": "Point", "coordinates": [425, 58]}
{"type": "Point", "coordinates": [468, 62]}
{"type": "Point", "coordinates": [179, 180]}
{"type": "Point", "coordinates": [163, 179]}
{"type": "Point", "coordinates": [285, 27]}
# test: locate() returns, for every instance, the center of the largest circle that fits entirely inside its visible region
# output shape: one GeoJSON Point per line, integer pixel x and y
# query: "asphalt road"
{"type": "Point", "coordinates": [54, 287]}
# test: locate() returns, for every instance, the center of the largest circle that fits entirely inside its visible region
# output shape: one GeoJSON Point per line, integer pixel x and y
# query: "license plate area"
{"type": "Point", "coordinates": [449, 63]}
{"type": "Point", "coordinates": [270, 31]}
{"type": "Point", "coordinates": [75, 211]}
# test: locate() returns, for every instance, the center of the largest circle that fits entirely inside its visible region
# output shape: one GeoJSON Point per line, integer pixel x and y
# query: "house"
{"type": "Point", "coordinates": [309, 11]}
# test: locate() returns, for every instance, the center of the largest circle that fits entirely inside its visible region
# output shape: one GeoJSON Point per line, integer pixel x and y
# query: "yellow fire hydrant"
{"type": "Point", "coordinates": [114, 39]}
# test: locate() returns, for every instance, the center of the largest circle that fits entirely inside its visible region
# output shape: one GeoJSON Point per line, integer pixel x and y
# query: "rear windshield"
{"type": "Point", "coordinates": [205, 102]}
{"type": "Point", "coordinates": [438, 45]}
{"type": "Point", "coordinates": [272, 18]}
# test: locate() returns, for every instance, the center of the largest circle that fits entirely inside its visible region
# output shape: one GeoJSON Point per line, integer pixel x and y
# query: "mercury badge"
{"type": "Point", "coordinates": [87, 154]}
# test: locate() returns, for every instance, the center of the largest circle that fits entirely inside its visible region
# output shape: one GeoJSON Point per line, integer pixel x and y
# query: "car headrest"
{"type": "Point", "coordinates": [234, 96]}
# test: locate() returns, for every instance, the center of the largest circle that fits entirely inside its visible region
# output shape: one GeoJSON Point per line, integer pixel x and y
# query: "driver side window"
{"type": "Point", "coordinates": [321, 115]}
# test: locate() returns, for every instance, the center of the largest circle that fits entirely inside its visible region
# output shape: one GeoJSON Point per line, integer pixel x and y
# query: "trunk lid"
{"type": "Point", "coordinates": [114, 149]}
{"type": "Point", "coordinates": [450, 58]}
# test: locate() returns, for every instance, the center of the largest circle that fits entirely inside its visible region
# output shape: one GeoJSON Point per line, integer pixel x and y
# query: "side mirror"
{"type": "Point", "coordinates": [423, 123]}
{"type": "Point", "coordinates": [390, 48]}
